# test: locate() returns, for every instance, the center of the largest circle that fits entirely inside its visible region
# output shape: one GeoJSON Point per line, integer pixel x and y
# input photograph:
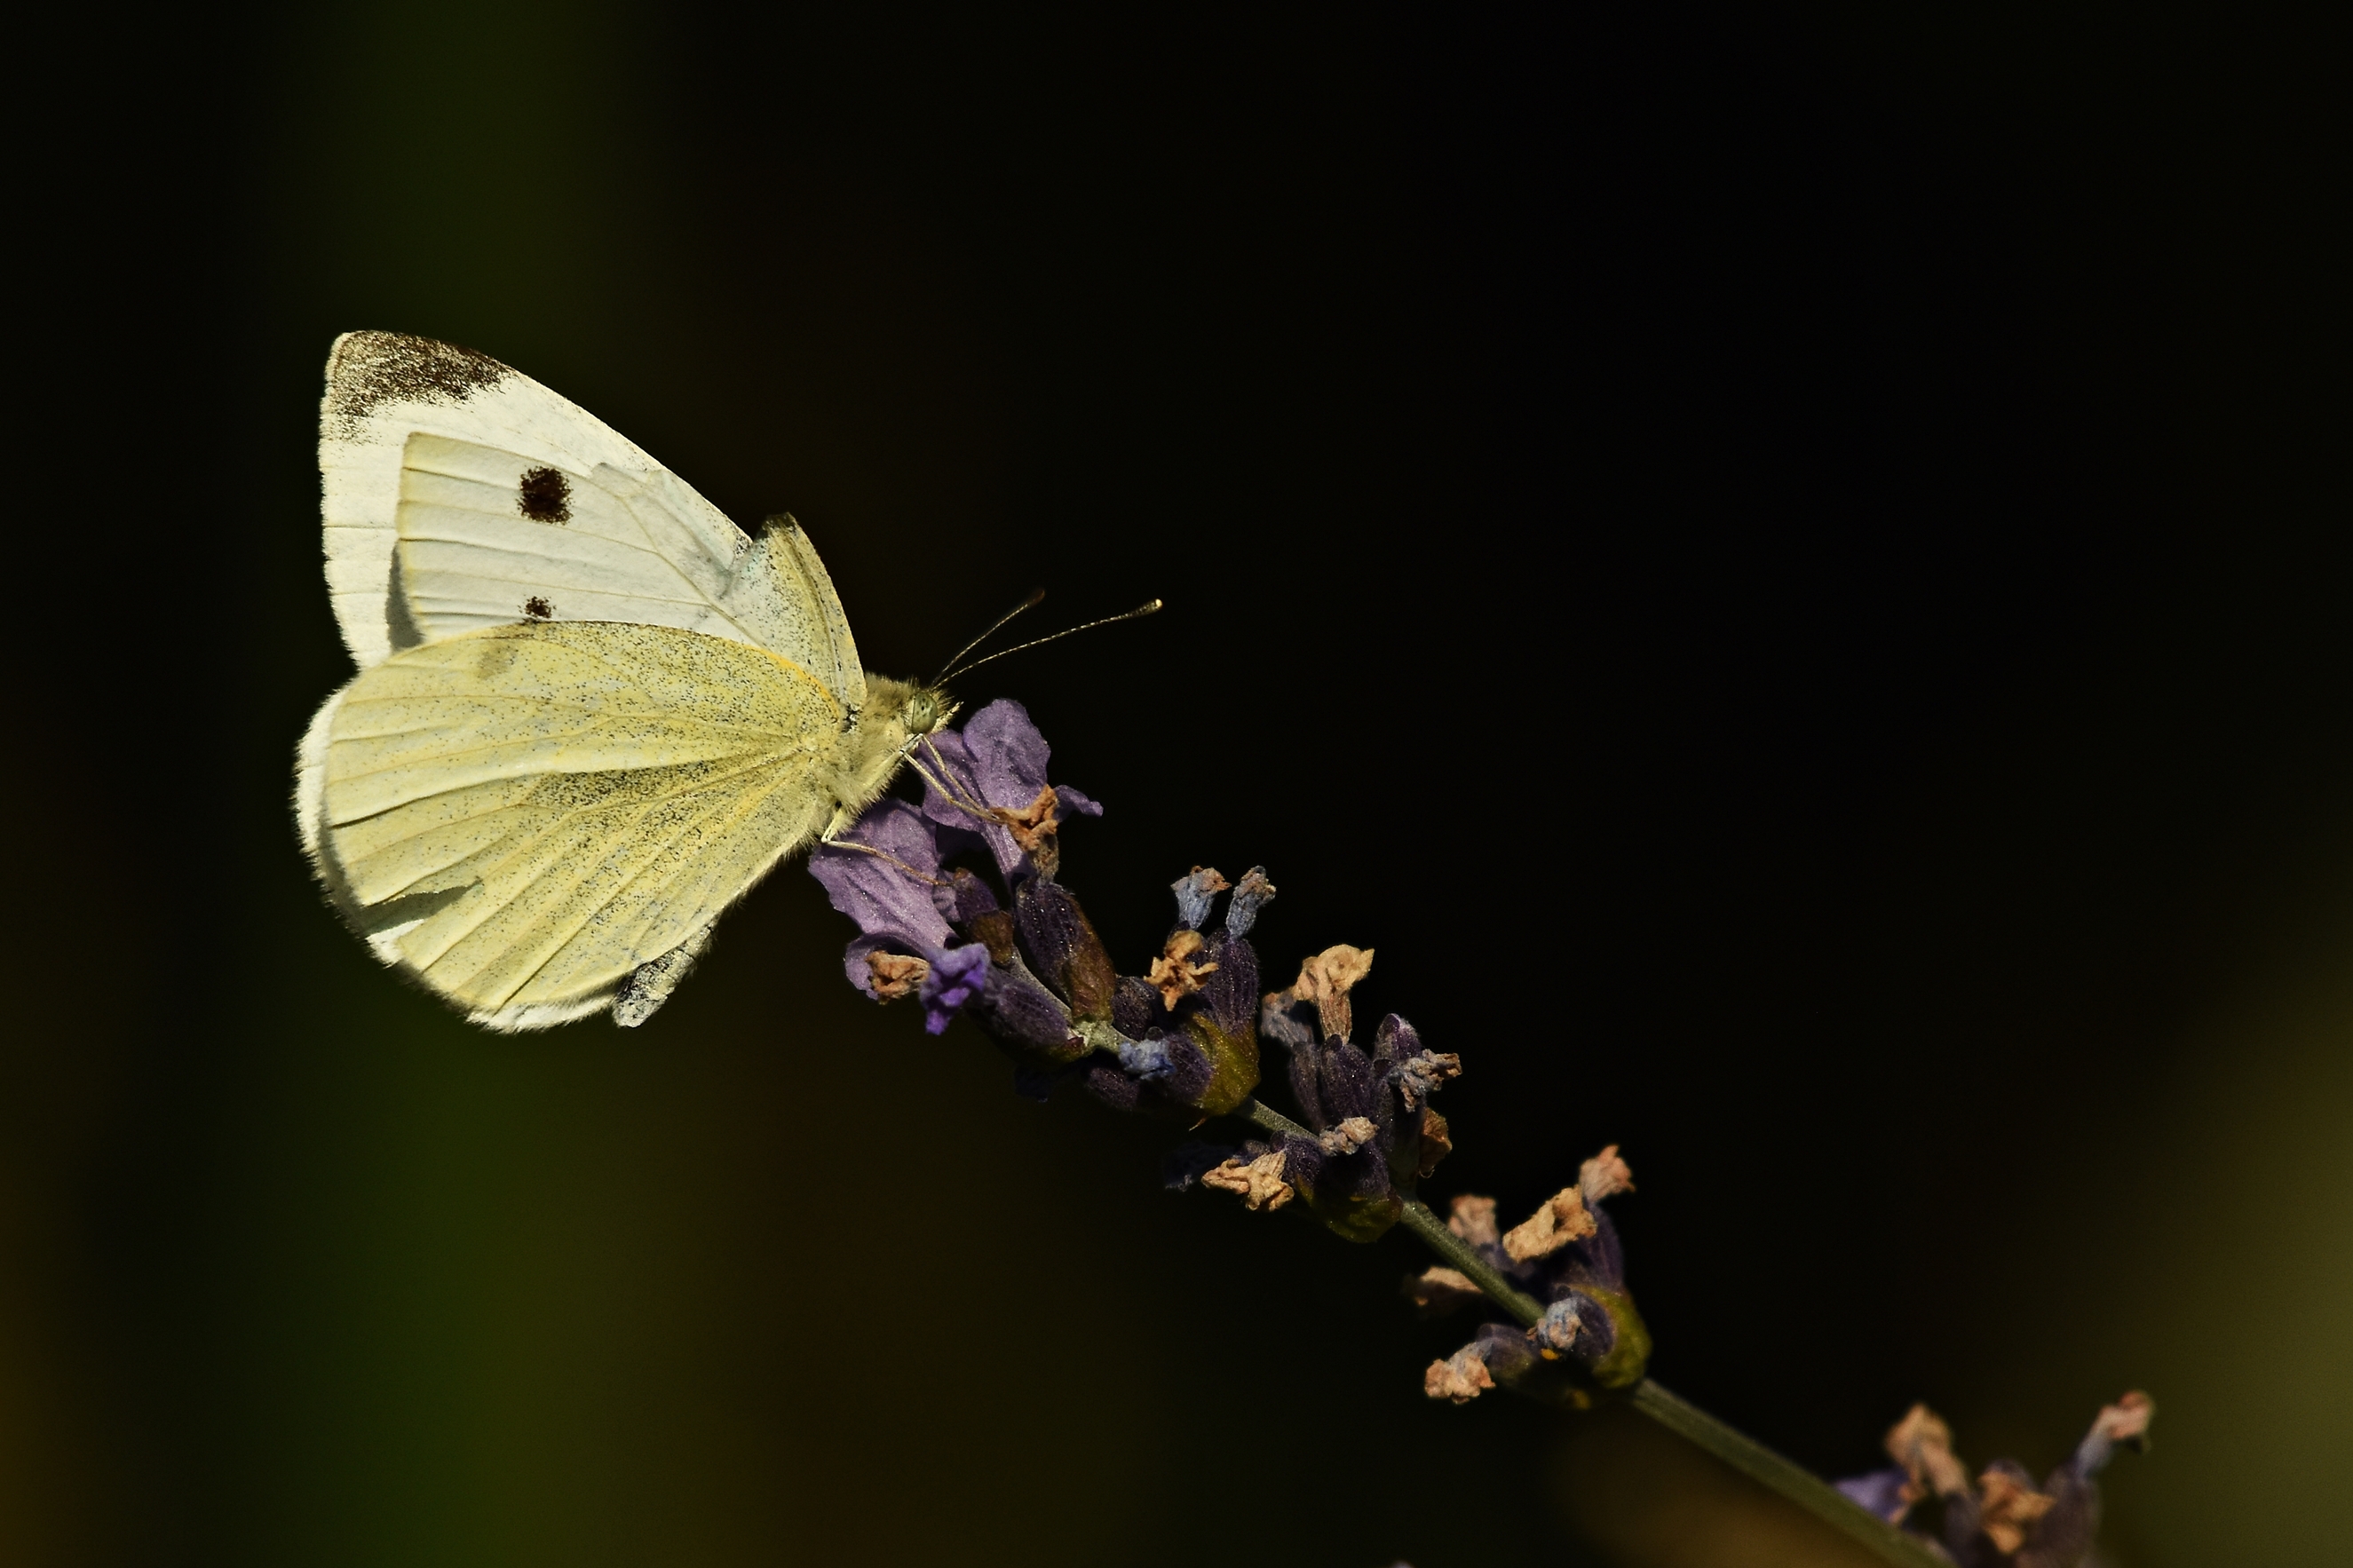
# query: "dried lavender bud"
{"type": "Point", "coordinates": [965, 898]}
{"type": "Point", "coordinates": [1195, 891]}
{"type": "Point", "coordinates": [994, 931]}
{"type": "Point", "coordinates": [1474, 1220]}
{"type": "Point", "coordinates": [1173, 1065]}
{"type": "Point", "coordinates": [1062, 947]}
{"type": "Point", "coordinates": [1136, 1009]}
{"type": "Point", "coordinates": [1251, 894]}
{"type": "Point", "coordinates": [1886, 1493]}
{"type": "Point", "coordinates": [1557, 1330]}
{"type": "Point", "coordinates": [1591, 1339]}
{"type": "Point", "coordinates": [1418, 1076]}
{"type": "Point", "coordinates": [1192, 1072]}
{"type": "Point", "coordinates": [1511, 1362]}
{"type": "Point", "coordinates": [1604, 1176]}
{"type": "Point", "coordinates": [1023, 1017]}
{"type": "Point", "coordinates": [1281, 1020]}
{"type": "Point", "coordinates": [1228, 969]}
{"type": "Point", "coordinates": [890, 976]}
{"type": "Point", "coordinates": [1111, 1085]}
{"type": "Point", "coordinates": [1146, 1059]}
{"type": "Point", "coordinates": [2009, 1507]}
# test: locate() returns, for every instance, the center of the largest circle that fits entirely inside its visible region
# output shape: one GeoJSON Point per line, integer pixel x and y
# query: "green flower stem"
{"type": "Point", "coordinates": [1791, 1481]}
{"type": "Point", "coordinates": [1742, 1452]}
{"type": "Point", "coordinates": [1459, 1254]}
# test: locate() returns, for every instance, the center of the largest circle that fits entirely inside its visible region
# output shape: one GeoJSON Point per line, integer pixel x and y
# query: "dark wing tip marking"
{"type": "Point", "coordinates": [367, 370]}
{"type": "Point", "coordinates": [544, 496]}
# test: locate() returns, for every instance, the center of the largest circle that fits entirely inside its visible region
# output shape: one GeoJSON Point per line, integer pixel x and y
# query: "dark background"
{"type": "Point", "coordinates": [1785, 568]}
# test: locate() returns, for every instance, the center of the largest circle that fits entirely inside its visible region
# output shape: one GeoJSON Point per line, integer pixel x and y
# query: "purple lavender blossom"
{"type": "Point", "coordinates": [890, 899]}
{"type": "Point", "coordinates": [1030, 969]}
{"type": "Point", "coordinates": [997, 763]}
{"type": "Point", "coordinates": [894, 890]}
{"type": "Point", "coordinates": [958, 975]}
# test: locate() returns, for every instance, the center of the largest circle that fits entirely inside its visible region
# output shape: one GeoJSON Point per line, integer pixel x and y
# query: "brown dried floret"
{"type": "Point", "coordinates": [1474, 1219]}
{"type": "Point", "coordinates": [1348, 1137]}
{"type": "Point", "coordinates": [1326, 979]}
{"type": "Point", "coordinates": [1175, 972]}
{"type": "Point", "coordinates": [896, 975]}
{"type": "Point", "coordinates": [1034, 826]}
{"type": "Point", "coordinates": [1923, 1445]}
{"type": "Point", "coordinates": [1460, 1377]}
{"type": "Point", "coordinates": [1436, 1290]}
{"type": "Point", "coordinates": [2125, 1421]}
{"type": "Point", "coordinates": [1260, 1183]}
{"type": "Point", "coordinates": [2008, 1508]}
{"type": "Point", "coordinates": [1605, 1175]}
{"type": "Point", "coordinates": [1563, 1219]}
{"type": "Point", "coordinates": [1436, 1143]}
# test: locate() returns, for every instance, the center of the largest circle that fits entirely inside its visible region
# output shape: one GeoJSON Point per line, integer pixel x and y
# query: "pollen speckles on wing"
{"type": "Point", "coordinates": [546, 496]}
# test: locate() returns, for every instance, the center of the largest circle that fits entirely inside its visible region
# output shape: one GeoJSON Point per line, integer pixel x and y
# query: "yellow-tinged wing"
{"type": "Point", "coordinates": [528, 816]}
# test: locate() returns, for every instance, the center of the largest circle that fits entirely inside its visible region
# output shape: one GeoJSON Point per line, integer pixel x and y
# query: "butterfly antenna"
{"type": "Point", "coordinates": [1136, 614]}
{"type": "Point", "coordinates": [1036, 597]}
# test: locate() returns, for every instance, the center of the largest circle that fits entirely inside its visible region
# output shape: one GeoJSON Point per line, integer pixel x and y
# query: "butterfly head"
{"type": "Point", "coordinates": [926, 710]}
{"type": "Point", "coordinates": [907, 711]}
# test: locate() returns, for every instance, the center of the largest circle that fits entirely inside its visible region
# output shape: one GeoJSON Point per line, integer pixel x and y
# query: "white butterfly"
{"type": "Point", "coordinates": [591, 713]}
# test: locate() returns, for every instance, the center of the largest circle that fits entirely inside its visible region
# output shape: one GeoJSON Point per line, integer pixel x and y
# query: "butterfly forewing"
{"type": "Point", "coordinates": [460, 494]}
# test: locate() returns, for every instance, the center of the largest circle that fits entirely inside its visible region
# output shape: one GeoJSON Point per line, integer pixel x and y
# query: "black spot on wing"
{"type": "Point", "coordinates": [538, 609]}
{"type": "Point", "coordinates": [399, 627]}
{"type": "Point", "coordinates": [367, 370]}
{"type": "Point", "coordinates": [544, 496]}
{"type": "Point", "coordinates": [404, 909]}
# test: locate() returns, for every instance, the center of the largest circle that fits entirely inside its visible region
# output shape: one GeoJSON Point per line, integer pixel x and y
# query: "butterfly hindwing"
{"type": "Point", "coordinates": [527, 816]}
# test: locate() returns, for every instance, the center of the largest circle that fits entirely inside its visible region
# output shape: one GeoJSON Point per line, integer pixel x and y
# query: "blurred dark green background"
{"type": "Point", "coordinates": [1786, 569]}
